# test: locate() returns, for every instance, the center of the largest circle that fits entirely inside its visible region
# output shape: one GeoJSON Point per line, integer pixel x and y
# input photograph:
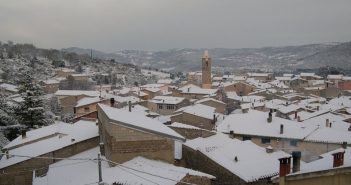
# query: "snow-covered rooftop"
{"type": "Point", "coordinates": [166, 100]}
{"type": "Point", "coordinates": [88, 100]}
{"type": "Point", "coordinates": [48, 139]}
{"type": "Point", "coordinates": [140, 122]}
{"type": "Point", "coordinates": [193, 89]}
{"type": "Point", "coordinates": [79, 173]}
{"type": "Point", "coordinates": [253, 162]}
{"type": "Point", "coordinates": [76, 93]}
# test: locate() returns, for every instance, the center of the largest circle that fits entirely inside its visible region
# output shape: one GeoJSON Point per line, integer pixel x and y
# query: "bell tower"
{"type": "Point", "coordinates": [206, 71]}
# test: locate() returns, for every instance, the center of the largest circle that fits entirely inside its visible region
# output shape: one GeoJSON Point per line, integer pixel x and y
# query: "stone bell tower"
{"type": "Point", "coordinates": [206, 71]}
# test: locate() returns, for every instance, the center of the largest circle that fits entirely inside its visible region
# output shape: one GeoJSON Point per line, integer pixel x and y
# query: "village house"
{"type": "Point", "coordinates": [219, 105]}
{"type": "Point", "coordinates": [41, 147]}
{"type": "Point", "coordinates": [64, 72]}
{"type": "Point", "coordinates": [265, 130]}
{"type": "Point", "coordinates": [310, 76]}
{"type": "Point", "coordinates": [333, 167]}
{"type": "Point", "coordinates": [241, 88]}
{"type": "Point", "coordinates": [50, 86]}
{"type": "Point", "coordinates": [67, 99]}
{"type": "Point", "coordinates": [166, 105]}
{"type": "Point", "coordinates": [232, 161]}
{"type": "Point", "coordinates": [87, 105]}
{"type": "Point", "coordinates": [198, 115]}
{"type": "Point", "coordinates": [263, 77]}
{"type": "Point", "coordinates": [126, 135]}
{"type": "Point", "coordinates": [191, 91]}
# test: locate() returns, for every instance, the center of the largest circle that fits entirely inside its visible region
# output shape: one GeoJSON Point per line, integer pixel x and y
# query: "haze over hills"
{"type": "Point", "coordinates": [287, 58]}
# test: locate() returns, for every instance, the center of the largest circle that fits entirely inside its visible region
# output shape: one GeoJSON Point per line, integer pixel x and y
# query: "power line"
{"type": "Point", "coordinates": [148, 173]}
{"type": "Point", "coordinates": [86, 160]}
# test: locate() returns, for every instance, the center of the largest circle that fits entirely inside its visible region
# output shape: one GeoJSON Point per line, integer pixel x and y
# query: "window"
{"type": "Point", "coordinates": [265, 140]}
{"type": "Point", "coordinates": [169, 106]}
{"type": "Point", "coordinates": [86, 109]}
{"type": "Point", "coordinates": [293, 142]}
{"type": "Point", "coordinates": [246, 138]}
{"type": "Point", "coordinates": [159, 106]}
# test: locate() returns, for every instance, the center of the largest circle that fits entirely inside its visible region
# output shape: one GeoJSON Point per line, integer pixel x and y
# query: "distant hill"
{"type": "Point", "coordinates": [288, 58]}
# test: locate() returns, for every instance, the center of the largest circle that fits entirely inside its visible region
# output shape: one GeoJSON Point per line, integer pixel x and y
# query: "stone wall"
{"type": "Point", "coordinates": [192, 133]}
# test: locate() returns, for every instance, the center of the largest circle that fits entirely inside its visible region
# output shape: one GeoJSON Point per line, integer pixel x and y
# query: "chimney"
{"type": "Point", "coordinates": [349, 128]}
{"type": "Point", "coordinates": [298, 118]}
{"type": "Point", "coordinates": [338, 159]}
{"type": "Point", "coordinates": [214, 118]}
{"type": "Point", "coordinates": [130, 106]}
{"type": "Point", "coordinates": [231, 134]}
{"type": "Point", "coordinates": [284, 167]}
{"type": "Point", "coordinates": [7, 154]}
{"type": "Point", "coordinates": [24, 134]}
{"type": "Point", "coordinates": [317, 108]}
{"type": "Point", "coordinates": [344, 145]}
{"type": "Point", "coordinates": [269, 119]}
{"type": "Point", "coordinates": [112, 102]}
{"type": "Point", "coordinates": [73, 140]}
{"type": "Point", "coordinates": [296, 161]}
{"type": "Point", "coordinates": [327, 122]}
{"type": "Point", "coordinates": [269, 149]}
{"type": "Point", "coordinates": [188, 89]}
{"type": "Point", "coordinates": [295, 114]}
{"type": "Point", "coordinates": [281, 128]}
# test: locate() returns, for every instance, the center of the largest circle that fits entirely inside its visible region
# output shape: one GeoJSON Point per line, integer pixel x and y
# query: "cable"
{"type": "Point", "coordinates": [86, 160]}
{"type": "Point", "coordinates": [59, 158]}
{"type": "Point", "coordinates": [148, 173]}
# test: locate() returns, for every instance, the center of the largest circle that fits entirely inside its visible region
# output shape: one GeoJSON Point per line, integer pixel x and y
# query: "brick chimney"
{"type": "Point", "coordinates": [112, 102]}
{"type": "Point", "coordinates": [296, 161]}
{"type": "Point", "coordinates": [338, 158]}
{"type": "Point", "coordinates": [281, 129]}
{"type": "Point", "coordinates": [284, 167]}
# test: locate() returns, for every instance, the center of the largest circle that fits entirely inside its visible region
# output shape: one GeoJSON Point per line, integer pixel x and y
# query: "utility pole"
{"type": "Point", "coordinates": [100, 172]}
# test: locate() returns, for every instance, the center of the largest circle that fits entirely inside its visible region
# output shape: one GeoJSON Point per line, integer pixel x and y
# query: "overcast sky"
{"type": "Point", "coordinates": [111, 25]}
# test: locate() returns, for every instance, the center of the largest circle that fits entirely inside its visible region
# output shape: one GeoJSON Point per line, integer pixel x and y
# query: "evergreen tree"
{"type": "Point", "coordinates": [30, 112]}
{"type": "Point", "coordinates": [6, 113]}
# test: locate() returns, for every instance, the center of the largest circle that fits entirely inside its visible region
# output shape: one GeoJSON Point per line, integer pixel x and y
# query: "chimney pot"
{"type": "Point", "coordinates": [284, 167]}
{"type": "Point", "coordinates": [295, 114]}
{"type": "Point", "coordinates": [344, 145]}
{"type": "Point", "coordinates": [269, 119]}
{"type": "Point", "coordinates": [338, 159]}
{"type": "Point", "coordinates": [281, 128]}
{"type": "Point", "coordinates": [112, 102]}
{"type": "Point", "coordinates": [296, 161]}
{"type": "Point", "coordinates": [327, 122]}
{"type": "Point", "coordinates": [231, 134]}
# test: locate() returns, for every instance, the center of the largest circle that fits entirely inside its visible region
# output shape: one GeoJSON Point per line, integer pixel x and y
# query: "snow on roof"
{"type": "Point", "coordinates": [253, 163]}
{"type": "Point", "coordinates": [182, 125]}
{"type": "Point", "coordinates": [334, 77]}
{"type": "Point", "coordinates": [337, 103]}
{"type": "Point", "coordinates": [48, 139]}
{"type": "Point", "coordinates": [283, 78]}
{"type": "Point", "coordinates": [76, 93]}
{"type": "Point", "coordinates": [152, 89]}
{"type": "Point", "coordinates": [166, 100]}
{"type": "Point", "coordinates": [164, 81]}
{"type": "Point", "coordinates": [307, 74]}
{"type": "Point", "coordinates": [209, 99]}
{"type": "Point", "coordinates": [9, 87]}
{"type": "Point", "coordinates": [88, 100]}
{"type": "Point", "coordinates": [51, 81]}
{"type": "Point", "coordinates": [140, 110]}
{"type": "Point", "coordinates": [330, 135]}
{"type": "Point", "coordinates": [64, 172]}
{"type": "Point", "coordinates": [140, 122]}
{"type": "Point", "coordinates": [259, 74]}
{"type": "Point", "coordinates": [255, 123]}
{"type": "Point", "coordinates": [152, 86]}
{"type": "Point", "coordinates": [248, 99]}
{"type": "Point", "coordinates": [200, 110]}
{"type": "Point", "coordinates": [193, 89]}
{"type": "Point", "coordinates": [346, 78]}
{"type": "Point", "coordinates": [288, 109]}
{"type": "Point", "coordinates": [325, 162]}
{"type": "Point", "coordinates": [274, 104]}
